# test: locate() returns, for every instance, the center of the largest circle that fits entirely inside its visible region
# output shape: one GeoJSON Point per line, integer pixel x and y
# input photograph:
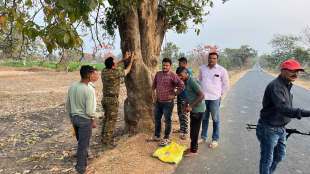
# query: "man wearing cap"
{"type": "Point", "coordinates": [277, 112]}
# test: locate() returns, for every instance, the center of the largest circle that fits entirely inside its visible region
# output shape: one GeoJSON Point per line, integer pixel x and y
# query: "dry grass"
{"type": "Point", "coordinates": [134, 154]}
{"type": "Point", "coordinates": [236, 75]}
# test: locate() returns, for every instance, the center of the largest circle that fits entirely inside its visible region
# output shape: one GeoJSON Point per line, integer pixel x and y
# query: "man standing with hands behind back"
{"type": "Point", "coordinates": [214, 82]}
{"type": "Point", "coordinates": [81, 108]}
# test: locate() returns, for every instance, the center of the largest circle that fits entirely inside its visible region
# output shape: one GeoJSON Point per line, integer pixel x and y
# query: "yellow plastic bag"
{"type": "Point", "coordinates": [171, 153]}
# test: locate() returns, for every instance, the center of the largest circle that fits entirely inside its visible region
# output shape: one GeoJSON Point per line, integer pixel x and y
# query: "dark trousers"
{"type": "Point", "coordinates": [195, 123]}
{"type": "Point", "coordinates": [82, 128]}
{"type": "Point", "coordinates": [163, 108]}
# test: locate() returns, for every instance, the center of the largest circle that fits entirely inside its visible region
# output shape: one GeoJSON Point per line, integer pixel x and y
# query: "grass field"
{"type": "Point", "coordinates": [73, 66]}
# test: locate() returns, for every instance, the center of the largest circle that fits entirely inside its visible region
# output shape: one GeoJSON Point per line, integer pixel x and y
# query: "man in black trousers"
{"type": "Point", "coordinates": [195, 105]}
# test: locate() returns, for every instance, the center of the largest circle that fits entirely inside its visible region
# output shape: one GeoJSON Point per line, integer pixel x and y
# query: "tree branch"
{"type": "Point", "coordinates": [22, 46]}
{"type": "Point", "coordinates": [34, 15]}
{"type": "Point", "coordinates": [93, 38]}
{"type": "Point", "coordinates": [96, 24]}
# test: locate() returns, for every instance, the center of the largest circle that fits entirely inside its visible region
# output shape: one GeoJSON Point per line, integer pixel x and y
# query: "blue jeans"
{"type": "Point", "coordinates": [83, 129]}
{"type": "Point", "coordinates": [273, 146]}
{"type": "Point", "coordinates": [163, 108]}
{"type": "Point", "coordinates": [213, 109]}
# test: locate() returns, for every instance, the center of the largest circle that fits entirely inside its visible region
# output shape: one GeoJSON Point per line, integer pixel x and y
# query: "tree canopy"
{"type": "Point", "coordinates": [141, 24]}
{"type": "Point", "coordinates": [60, 23]}
{"type": "Point", "coordinates": [287, 46]}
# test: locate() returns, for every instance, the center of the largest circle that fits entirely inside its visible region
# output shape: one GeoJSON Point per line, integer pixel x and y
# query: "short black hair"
{"type": "Point", "coordinates": [182, 59]}
{"type": "Point", "coordinates": [109, 62]}
{"type": "Point", "coordinates": [86, 70]}
{"type": "Point", "coordinates": [213, 53]}
{"type": "Point", "coordinates": [180, 70]}
{"type": "Point", "coordinates": [167, 60]}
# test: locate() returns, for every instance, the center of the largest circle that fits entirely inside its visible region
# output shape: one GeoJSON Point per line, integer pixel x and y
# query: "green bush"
{"type": "Point", "coordinates": [50, 65]}
{"type": "Point", "coordinates": [74, 66]}
{"type": "Point", "coordinates": [99, 66]}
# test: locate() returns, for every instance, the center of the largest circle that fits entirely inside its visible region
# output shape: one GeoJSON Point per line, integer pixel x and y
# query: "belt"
{"type": "Point", "coordinates": [269, 125]}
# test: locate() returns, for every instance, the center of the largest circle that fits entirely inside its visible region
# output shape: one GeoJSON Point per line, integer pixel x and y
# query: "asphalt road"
{"type": "Point", "coordinates": [238, 152]}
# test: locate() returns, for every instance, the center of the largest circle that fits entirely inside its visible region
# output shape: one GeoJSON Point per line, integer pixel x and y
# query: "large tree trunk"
{"type": "Point", "coordinates": [63, 63]}
{"type": "Point", "coordinates": [141, 34]}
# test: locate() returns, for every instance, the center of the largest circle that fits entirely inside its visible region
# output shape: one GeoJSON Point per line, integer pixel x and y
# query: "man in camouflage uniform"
{"type": "Point", "coordinates": [111, 80]}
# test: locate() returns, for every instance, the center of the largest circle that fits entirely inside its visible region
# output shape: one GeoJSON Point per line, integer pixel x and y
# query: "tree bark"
{"type": "Point", "coordinates": [139, 33]}
{"type": "Point", "coordinates": [62, 65]}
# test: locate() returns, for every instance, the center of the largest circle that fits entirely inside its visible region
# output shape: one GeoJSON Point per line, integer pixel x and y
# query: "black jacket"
{"type": "Point", "coordinates": [277, 104]}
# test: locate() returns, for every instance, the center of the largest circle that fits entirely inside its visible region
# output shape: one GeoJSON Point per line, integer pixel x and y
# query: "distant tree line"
{"type": "Point", "coordinates": [230, 58]}
{"type": "Point", "coordinates": [287, 46]}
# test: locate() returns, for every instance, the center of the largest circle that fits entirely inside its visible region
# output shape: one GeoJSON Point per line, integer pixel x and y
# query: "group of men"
{"type": "Point", "coordinates": [193, 96]}
{"type": "Point", "coordinates": [197, 97]}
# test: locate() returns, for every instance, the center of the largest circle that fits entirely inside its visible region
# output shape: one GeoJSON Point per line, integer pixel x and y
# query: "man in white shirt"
{"type": "Point", "coordinates": [214, 82]}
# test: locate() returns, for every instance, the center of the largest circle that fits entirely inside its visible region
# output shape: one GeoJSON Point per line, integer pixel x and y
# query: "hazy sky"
{"type": "Point", "coordinates": [252, 22]}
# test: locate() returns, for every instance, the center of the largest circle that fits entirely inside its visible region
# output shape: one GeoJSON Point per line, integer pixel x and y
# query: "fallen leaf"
{"type": "Point", "coordinates": [54, 169]}
{"type": "Point", "coordinates": [26, 171]}
{"type": "Point", "coordinates": [67, 170]}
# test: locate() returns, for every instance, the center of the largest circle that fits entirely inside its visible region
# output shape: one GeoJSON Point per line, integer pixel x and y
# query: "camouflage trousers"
{"type": "Point", "coordinates": [183, 116]}
{"type": "Point", "coordinates": [109, 121]}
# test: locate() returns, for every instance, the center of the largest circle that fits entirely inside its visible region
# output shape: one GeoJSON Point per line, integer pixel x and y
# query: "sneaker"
{"type": "Point", "coordinates": [154, 139]}
{"type": "Point", "coordinates": [189, 153]}
{"type": "Point", "coordinates": [202, 140]}
{"type": "Point", "coordinates": [164, 142]}
{"type": "Point", "coordinates": [183, 136]}
{"type": "Point", "coordinates": [213, 144]}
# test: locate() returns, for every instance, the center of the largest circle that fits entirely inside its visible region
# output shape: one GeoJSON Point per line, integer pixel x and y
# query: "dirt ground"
{"type": "Point", "coordinates": [36, 135]}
